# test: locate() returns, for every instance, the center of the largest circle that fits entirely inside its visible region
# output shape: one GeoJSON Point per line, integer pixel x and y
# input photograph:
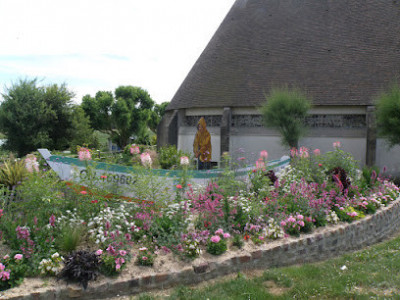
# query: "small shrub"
{"type": "Point", "coordinates": [217, 243]}
{"type": "Point", "coordinates": [80, 267]}
{"type": "Point", "coordinates": [237, 241]}
{"type": "Point", "coordinates": [69, 238]}
{"type": "Point", "coordinates": [51, 266]}
{"type": "Point", "coordinates": [12, 173]}
{"type": "Point", "coordinates": [145, 257]}
{"type": "Point", "coordinates": [169, 157]}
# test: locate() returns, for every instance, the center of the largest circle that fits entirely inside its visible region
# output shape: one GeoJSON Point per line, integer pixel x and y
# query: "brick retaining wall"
{"type": "Point", "coordinates": [320, 245]}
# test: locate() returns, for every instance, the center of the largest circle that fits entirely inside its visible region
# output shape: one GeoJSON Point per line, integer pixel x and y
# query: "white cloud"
{"type": "Point", "coordinates": [147, 43]}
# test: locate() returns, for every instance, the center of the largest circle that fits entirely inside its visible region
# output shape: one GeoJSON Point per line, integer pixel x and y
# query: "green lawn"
{"type": "Point", "coordinates": [372, 273]}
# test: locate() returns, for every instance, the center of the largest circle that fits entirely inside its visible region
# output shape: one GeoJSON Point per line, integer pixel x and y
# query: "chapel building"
{"type": "Point", "coordinates": [341, 53]}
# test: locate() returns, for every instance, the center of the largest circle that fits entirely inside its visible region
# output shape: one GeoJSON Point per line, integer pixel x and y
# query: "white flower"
{"type": "Point", "coordinates": [343, 268]}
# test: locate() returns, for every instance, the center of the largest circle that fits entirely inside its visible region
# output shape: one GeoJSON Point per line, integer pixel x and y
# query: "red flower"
{"type": "Point", "coordinates": [103, 177]}
{"type": "Point", "coordinates": [83, 192]}
{"type": "Point", "coordinates": [95, 201]}
{"type": "Point", "coordinates": [178, 186]}
{"type": "Point", "coordinates": [246, 237]}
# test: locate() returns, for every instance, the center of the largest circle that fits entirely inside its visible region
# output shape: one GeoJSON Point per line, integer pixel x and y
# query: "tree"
{"type": "Point", "coordinates": [32, 117]}
{"type": "Point", "coordinates": [286, 110]}
{"type": "Point", "coordinates": [388, 115]}
{"type": "Point", "coordinates": [126, 115]}
{"type": "Point", "coordinates": [156, 115]}
{"type": "Point", "coordinates": [81, 131]}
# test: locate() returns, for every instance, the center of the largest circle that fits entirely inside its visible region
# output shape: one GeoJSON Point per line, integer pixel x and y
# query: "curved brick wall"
{"type": "Point", "coordinates": [321, 244]}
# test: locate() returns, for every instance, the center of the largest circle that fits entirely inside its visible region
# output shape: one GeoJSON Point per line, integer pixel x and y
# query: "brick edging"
{"type": "Point", "coordinates": [313, 247]}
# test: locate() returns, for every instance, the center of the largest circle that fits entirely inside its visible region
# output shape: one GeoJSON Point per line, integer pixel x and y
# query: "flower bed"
{"type": "Point", "coordinates": [77, 236]}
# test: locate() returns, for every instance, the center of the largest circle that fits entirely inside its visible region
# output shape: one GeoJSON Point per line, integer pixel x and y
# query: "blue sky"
{"type": "Point", "coordinates": [96, 45]}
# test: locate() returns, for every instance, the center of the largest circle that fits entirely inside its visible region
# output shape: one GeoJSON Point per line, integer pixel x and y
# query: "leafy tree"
{"type": "Point", "coordinates": [32, 117]}
{"type": "Point", "coordinates": [127, 114]}
{"type": "Point", "coordinates": [285, 110]}
{"type": "Point", "coordinates": [81, 131]}
{"type": "Point", "coordinates": [388, 115]}
{"type": "Point", "coordinates": [156, 115]}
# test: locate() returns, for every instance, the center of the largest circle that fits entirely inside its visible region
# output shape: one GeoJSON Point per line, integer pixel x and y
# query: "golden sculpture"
{"type": "Point", "coordinates": [202, 145]}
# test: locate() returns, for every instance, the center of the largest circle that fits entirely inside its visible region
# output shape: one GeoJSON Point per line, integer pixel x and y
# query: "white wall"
{"type": "Point", "coordinates": [388, 157]}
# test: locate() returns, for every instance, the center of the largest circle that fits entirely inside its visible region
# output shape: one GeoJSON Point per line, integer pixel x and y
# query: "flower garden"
{"type": "Point", "coordinates": [77, 233]}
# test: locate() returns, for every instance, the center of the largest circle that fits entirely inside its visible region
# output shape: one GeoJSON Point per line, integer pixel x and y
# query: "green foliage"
{"type": "Point", "coordinates": [12, 173]}
{"type": "Point", "coordinates": [145, 257]}
{"type": "Point", "coordinates": [81, 132]}
{"type": "Point", "coordinates": [17, 270]}
{"type": "Point", "coordinates": [217, 248]}
{"type": "Point", "coordinates": [169, 157]}
{"type": "Point", "coordinates": [285, 110]}
{"type": "Point", "coordinates": [339, 158]}
{"type": "Point", "coordinates": [237, 241]}
{"type": "Point", "coordinates": [69, 238]}
{"type": "Point", "coordinates": [388, 115]}
{"type": "Point", "coordinates": [227, 181]}
{"type": "Point", "coordinates": [126, 115]}
{"type": "Point", "coordinates": [35, 117]}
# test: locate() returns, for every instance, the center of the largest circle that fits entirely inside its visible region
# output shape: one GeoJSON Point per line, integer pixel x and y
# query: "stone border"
{"type": "Point", "coordinates": [319, 245]}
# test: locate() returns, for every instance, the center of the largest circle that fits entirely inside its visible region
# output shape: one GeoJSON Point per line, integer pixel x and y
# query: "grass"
{"type": "Point", "coordinates": [369, 273]}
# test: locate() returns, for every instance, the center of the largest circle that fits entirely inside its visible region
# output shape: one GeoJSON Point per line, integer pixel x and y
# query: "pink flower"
{"type": "Point", "coordinates": [4, 275]}
{"type": "Point", "coordinates": [227, 235]}
{"type": "Point", "coordinates": [31, 163]}
{"type": "Point", "coordinates": [2, 267]}
{"type": "Point", "coordinates": [18, 256]}
{"type": "Point", "coordinates": [144, 258]}
{"type": "Point", "coordinates": [84, 154]}
{"type": "Point", "coordinates": [143, 249]}
{"type": "Point", "coordinates": [303, 152]}
{"type": "Point", "coordinates": [118, 266]}
{"type": "Point", "coordinates": [219, 231]}
{"type": "Point", "coordinates": [99, 252]}
{"type": "Point", "coordinates": [179, 186]}
{"type": "Point", "coordinates": [317, 152]}
{"type": "Point", "coordinates": [134, 149]}
{"type": "Point", "coordinates": [184, 160]}
{"type": "Point", "coordinates": [52, 220]}
{"type": "Point", "coordinates": [146, 159]}
{"type": "Point", "coordinates": [83, 192]}
{"type": "Point", "coordinates": [293, 152]}
{"type": "Point", "coordinates": [300, 217]}
{"type": "Point", "coordinates": [111, 250]}
{"type": "Point", "coordinates": [264, 154]}
{"type": "Point", "coordinates": [1, 213]}
{"type": "Point", "coordinates": [291, 219]}
{"type": "Point", "coordinates": [215, 239]}
{"type": "Point", "coordinates": [122, 252]}
{"type": "Point", "coordinates": [6, 257]}
{"type": "Point", "coordinates": [260, 164]}
{"type": "Point", "coordinates": [283, 223]}
{"type": "Point", "coordinates": [319, 165]}
{"type": "Point", "coordinates": [108, 225]}
{"type": "Point", "coordinates": [337, 144]}
{"type": "Point", "coordinates": [128, 236]}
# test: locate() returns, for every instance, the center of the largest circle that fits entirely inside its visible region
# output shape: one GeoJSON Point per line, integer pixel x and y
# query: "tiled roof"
{"type": "Point", "coordinates": [341, 52]}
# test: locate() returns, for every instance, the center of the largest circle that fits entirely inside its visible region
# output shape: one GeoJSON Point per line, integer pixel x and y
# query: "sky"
{"type": "Point", "coordinates": [93, 45]}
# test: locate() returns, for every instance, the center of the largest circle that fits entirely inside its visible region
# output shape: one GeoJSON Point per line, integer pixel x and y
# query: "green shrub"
{"type": "Point", "coordinates": [12, 173]}
{"type": "Point", "coordinates": [169, 157]}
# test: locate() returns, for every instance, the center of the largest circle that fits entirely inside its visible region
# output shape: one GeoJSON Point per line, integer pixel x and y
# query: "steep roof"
{"type": "Point", "coordinates": [341, 52]}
